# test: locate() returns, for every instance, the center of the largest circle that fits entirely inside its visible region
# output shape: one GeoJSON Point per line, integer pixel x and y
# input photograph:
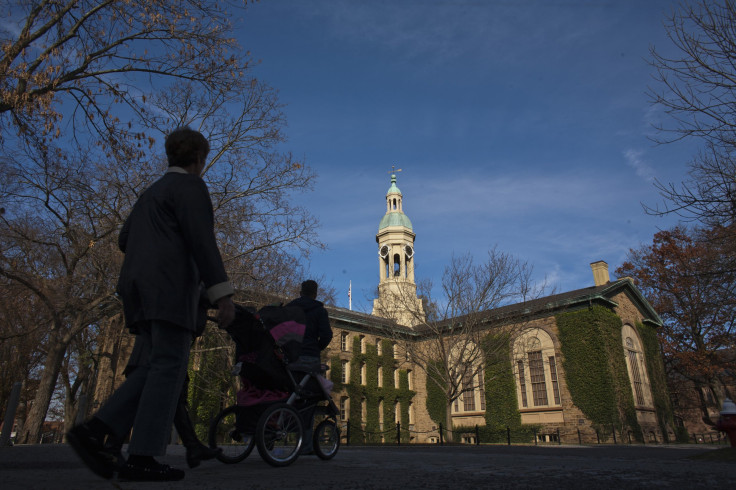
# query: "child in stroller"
{"type": "Point", "coordinates": [274, 403]}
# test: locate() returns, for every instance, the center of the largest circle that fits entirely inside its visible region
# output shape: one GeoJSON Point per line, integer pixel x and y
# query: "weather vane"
{"type": "Point", "coordinates": [394, 169]}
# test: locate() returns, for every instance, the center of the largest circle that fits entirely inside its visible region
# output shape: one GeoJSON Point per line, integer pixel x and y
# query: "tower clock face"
{"type": "Point", "coordinates": [409, 251]}
{"type": "Point", "coordinates": [383, 252]}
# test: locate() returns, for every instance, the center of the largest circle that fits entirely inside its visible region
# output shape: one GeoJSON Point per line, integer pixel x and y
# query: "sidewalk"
{"type": "Point", "coordinates": [426, 467]}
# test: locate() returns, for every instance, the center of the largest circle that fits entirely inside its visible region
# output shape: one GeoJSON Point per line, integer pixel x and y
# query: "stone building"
{"type": "Point", "coordinates": [377, 384]}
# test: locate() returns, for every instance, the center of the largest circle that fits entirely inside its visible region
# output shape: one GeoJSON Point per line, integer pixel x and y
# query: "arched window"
{"type": "Point", "coordinates": [536, 370]}
{"type": "Point", "coordinates": [636, 367]}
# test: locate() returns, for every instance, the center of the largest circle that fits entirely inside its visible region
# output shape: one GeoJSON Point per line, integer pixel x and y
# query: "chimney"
{"type": "Point", "coordinates": [600, 273]}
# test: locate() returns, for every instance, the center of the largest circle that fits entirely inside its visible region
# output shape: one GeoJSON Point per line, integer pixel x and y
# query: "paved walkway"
{"type": "Point", "coordinates": [425, 467]}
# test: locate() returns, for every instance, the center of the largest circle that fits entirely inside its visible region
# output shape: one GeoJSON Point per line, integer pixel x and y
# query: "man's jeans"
{"type": "Point", "coordinates": [147, 400]}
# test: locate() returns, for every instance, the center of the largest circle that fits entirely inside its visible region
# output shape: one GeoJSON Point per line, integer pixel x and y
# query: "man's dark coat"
{"type": "Point", "coordinates": [169, 245]}
{"type": "Point", "coordinates": [318, 333]}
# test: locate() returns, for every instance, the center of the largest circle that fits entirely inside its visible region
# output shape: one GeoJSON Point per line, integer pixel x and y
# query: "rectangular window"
{"type": "Point", "coordinates": [468, 392]}
{"type": "Point", "coordinates": [553, 375]}
{"type": "Point", "coordinates": [536, 375]}
{"type": "Point", "coordinates": [345, 375]}
{"type": "Point", "coordinates": [344, 342]}
{"type": "Point", "coordinates": [343, 408]}
{"type": "Point", "coordinates": [481, 389]}
{"type": "Point", "coordinates": [633, 362]}
{"type": "Point", "coordinates": [522, 384]}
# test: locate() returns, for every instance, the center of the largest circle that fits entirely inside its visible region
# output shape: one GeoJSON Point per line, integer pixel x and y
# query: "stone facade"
{"type": "Point", "coordinates": [559, 417]}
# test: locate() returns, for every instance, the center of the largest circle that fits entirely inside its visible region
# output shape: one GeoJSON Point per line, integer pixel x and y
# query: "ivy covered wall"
{"type": "Point", "coordinates": [502, 406]}
{"type": "Point", "coordinates": [502, 416]}
{"type": "Point", "coordinates": [658, 381]}
{"type": "Point", "coordinates": [595, 368]}
{"type": "Point", "coordinates": [373, 393]}
{"type": "Point", "coordinates": [436, 399]}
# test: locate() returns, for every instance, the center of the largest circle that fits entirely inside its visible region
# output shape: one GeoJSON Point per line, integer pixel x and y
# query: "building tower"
{"type": "Point", "coordinates": [397, 291]}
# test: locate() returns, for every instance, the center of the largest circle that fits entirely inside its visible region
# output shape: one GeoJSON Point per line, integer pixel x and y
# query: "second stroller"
{"type": "Point", "coordinates": [274, 402]}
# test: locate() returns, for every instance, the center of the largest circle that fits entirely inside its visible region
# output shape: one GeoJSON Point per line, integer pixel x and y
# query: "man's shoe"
{"type": "Point", "coordinates": [150, 472]}
{"type": "Point", "coordinates": [199, 452]}
{"type": "Point", "coordinates": [90, 447]}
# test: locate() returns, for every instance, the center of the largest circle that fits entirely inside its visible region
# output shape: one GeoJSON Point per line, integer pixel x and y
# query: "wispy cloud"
{"type": "Point", "coordinates": [509, 195]}
{"type": "Point", "coordinates": [634, 160]}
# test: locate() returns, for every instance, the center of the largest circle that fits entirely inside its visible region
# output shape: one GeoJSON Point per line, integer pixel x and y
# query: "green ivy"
{"type": "Point", "coordinates": [595, 368]}
{"type": "Point", "coordinates": [502, 406]}
{"type": "Point", "coordinates": [374, 394]}
{"type": "Point", "coordinates": [436, 398]}
{"type": "Point", "coordinates": [657, 381]}
{"type": "Point", "coordinates": [336, 371]}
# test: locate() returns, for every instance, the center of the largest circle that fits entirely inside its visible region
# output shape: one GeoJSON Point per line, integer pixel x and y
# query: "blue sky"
{"type": "Point", "coordinates": [518, 124]}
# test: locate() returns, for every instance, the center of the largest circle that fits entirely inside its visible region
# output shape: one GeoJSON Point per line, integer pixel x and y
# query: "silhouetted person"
{"type": "Point", "coordinates": [317, 337]}
{"type": "Point", "coordinates": [170, 247]}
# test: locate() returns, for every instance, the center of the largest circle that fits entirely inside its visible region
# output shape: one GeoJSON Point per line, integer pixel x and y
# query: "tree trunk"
{"type": "Point", "coordinates": [31, 433]}
{"type": "Point", "coordinates": [448, 423]}
{"type": "Point", "coordinates": [71, 408]}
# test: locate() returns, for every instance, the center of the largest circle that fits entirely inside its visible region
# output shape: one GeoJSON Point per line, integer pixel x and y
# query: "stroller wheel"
{"type": "Point", "coordinates": [235, 445]}
{"type": "Point", "coordinates": [326, 439]}
{"type": "Point", "coordinates": [279, 435]}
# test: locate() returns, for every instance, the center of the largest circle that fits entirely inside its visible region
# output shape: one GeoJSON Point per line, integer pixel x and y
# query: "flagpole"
{"type": "Point", "coordinates": [350, 296]}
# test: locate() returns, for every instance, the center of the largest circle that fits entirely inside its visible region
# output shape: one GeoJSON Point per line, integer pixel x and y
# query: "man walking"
{"type": "Point", "coordinates": [170, 248]}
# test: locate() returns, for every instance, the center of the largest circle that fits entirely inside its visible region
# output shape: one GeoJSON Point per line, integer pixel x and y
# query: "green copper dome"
{"type": "Point", "coordinates": [395, 218]}
{"type": "Point", "coordinates": [393, 189]}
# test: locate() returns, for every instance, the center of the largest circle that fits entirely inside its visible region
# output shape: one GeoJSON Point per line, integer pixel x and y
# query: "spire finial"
{"type": "Point", "coordinates": [393, 172]}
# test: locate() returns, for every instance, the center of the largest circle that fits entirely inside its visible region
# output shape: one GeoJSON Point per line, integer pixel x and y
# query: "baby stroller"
{"type": "Point", "coordinates": [275, 403]}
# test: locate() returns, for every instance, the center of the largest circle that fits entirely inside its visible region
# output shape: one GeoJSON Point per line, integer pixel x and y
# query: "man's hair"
{"type": "Point", "coordinates": [309, 288]}
{"type": "Point", "coordinates": [185, 146]}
